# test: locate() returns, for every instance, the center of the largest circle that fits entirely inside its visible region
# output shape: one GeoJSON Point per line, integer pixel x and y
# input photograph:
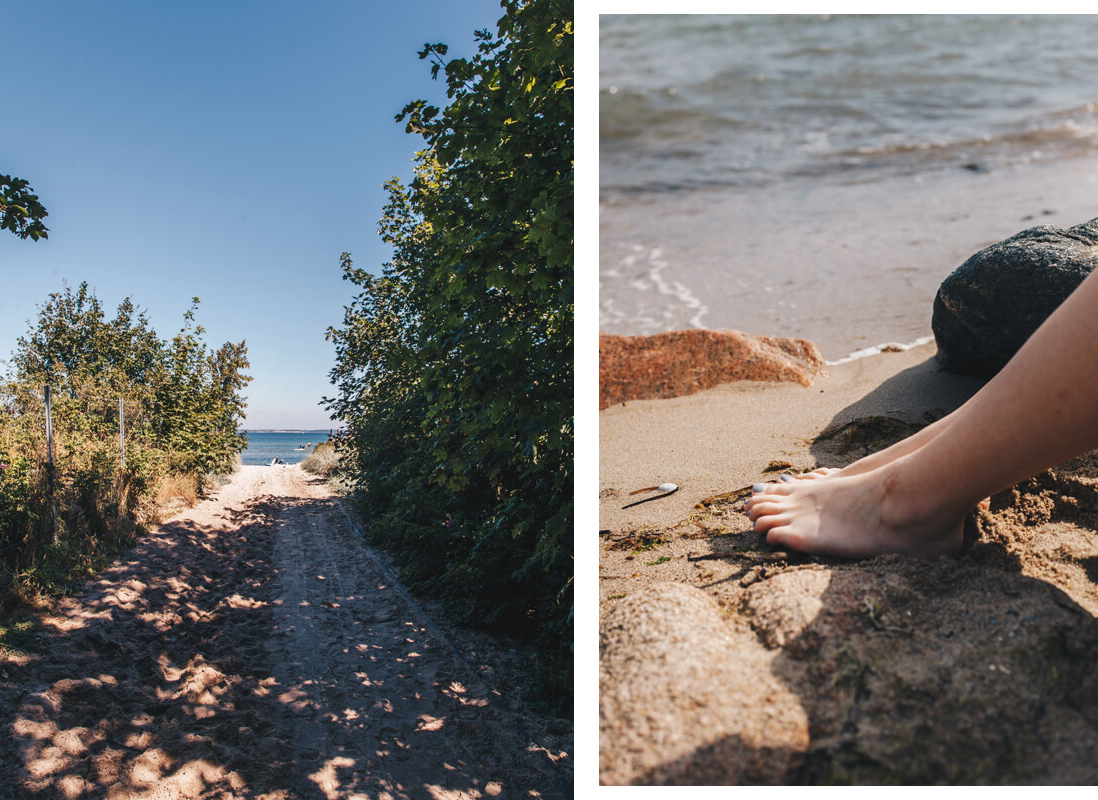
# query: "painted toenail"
{"type": "Point", "coordinates": [758, 488]}
{"type": "Point", "coordinates": [787, 478]}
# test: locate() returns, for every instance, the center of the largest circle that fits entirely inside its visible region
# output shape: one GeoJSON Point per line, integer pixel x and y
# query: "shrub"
{"type": "Point", "coordinates": [323, 461]}
{"type": "Point", "coordinates": [181, 405]}
{"type": "Point", "coordinates": [454, 367]}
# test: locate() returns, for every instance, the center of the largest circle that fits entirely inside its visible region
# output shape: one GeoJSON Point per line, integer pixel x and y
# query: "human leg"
{"type": "Point", "coordinates": [1041, 409]}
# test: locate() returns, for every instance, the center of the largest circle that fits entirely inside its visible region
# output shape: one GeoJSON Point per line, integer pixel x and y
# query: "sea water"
{"type": "Point", "coordinates": [819, 175]}
{"type": "Point", "coordinates": [290, 446]}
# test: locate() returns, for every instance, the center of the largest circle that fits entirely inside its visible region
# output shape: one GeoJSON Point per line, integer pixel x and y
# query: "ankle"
{"type": "Point", "coordinates": [909, 502]}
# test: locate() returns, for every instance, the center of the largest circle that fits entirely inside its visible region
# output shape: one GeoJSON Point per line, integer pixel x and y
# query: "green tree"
{"type": "Point", "coordinates": [474, 320]}
{"type": "Point", "coordinates": [73, 343]}
{"type": "Point", "coordinates": [20, 210]}
{"type": "Point", "coordinates": [191, 398]}
{"type": "Point", "coordinates": [226, 399]}
{"type": "Point", "coordinates": [499, 360]}
{"type": "Point", "coordinates": [380, 397]}
{"type": "Point", "coordinates": [199, 401]}
{"type": "Point", "coordinates": [182, 404]}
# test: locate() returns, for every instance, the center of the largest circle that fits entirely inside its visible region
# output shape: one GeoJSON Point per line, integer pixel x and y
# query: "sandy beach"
{"type": "Point", "coordinates": [722, 661]}
{"type": "Point", "coordinates": [254, 646]}
{"type": "Point", "coordinates": [724, 439]}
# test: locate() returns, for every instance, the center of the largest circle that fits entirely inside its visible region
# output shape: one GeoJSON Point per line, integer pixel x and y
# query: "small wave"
{"type": "Point", "coordinates": [643, 271]}
{"type": "Point", "coordinates": [659, 116]}
{"type": "Point", "coordinates": [1063, 134]}
{"type": "Point", "coordinates": [887, 347]}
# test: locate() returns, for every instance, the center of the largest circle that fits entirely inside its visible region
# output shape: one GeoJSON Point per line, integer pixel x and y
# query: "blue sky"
{"type": "Point", "coordinates": [225, 150]}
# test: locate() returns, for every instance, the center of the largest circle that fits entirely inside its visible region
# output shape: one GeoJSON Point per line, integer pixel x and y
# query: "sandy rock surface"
{"type": "Point", "coordinates": [253, 646]}
{"type": "Point", "coordinates": [723, 661]}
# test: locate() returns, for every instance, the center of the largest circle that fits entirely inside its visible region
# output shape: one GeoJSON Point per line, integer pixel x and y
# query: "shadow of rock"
{"type": "Point", "coordinates": [952, 672]}
{"type": "Point", "coordinates": [899, 406]}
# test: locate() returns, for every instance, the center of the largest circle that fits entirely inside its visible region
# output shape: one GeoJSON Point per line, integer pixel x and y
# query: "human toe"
{"type": "Point", "coordinates": [821, 472]}
{"type": "Point", "coordinates": [770, 525]}
{"type": "Point", "coordinates": [764, 507]}
{"type": "Point", "coordinates": [779, 533]}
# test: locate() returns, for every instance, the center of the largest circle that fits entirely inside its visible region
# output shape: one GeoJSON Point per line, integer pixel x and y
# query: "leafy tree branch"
{"type": "Point", "coordinates": [20, 210]}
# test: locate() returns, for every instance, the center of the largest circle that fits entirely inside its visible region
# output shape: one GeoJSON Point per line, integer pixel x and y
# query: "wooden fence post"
{"type": "Point", "coordinates": [122, 431]}
{"type": "Point", "coordinates": [49, 429]}
{"type": "Point", "coordinates": [50, 474]}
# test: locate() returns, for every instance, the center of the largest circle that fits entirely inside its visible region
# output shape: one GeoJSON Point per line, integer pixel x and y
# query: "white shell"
{"type": "Point", "coordinates": [666, 487]}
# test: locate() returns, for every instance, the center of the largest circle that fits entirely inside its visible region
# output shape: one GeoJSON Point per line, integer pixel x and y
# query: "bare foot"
{"type": "Point", "coordinates": [823, 472]}
{"type": "Point", "coordinates": [855, 516]}
{"type": "Point", "coordinates": [819, 472]}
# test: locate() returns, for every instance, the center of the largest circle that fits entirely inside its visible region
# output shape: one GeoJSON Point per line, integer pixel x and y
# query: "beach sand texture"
{"type": "Point", "coordinates": [722, 661]}
{"type": "Point", "coordinates": [253, 646]}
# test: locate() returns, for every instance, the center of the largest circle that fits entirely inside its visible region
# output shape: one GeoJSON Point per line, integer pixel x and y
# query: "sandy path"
{"type": "Point", "coordinates": [252, 647]}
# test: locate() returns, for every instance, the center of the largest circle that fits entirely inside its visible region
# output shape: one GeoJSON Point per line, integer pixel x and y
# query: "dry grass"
{"type": "Point", "coordinates": [176, 492]}
{"type": "Point", "coordinates": [324, 460]}
{"type": "Point", "coordinates": [19, 635]}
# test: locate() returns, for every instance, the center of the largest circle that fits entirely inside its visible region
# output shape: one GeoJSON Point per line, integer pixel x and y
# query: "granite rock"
{"type": "Point", "coordinates": [684, 362]}
{"type": "Point", "coordinates": [993, 303]}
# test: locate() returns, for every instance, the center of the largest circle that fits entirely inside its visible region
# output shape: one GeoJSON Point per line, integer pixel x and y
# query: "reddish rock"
{"type": "Point", "coordinates": [684, 362]}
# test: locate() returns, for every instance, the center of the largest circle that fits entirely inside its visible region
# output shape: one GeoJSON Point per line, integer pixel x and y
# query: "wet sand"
{"type": "Point", "coordinates": [846, 267]}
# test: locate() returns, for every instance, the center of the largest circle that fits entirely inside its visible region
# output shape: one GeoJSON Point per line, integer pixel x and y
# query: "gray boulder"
{"type": "Point", "coordinates": [993, 302]}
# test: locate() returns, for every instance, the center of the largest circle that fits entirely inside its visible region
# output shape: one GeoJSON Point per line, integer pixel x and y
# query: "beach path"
{"type": "Point", "coordinates": [254, 646]}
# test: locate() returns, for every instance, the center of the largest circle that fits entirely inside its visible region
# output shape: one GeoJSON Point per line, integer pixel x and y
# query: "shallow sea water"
{"type": "Point", "coordinates": [819, 176]}
{"type": "Point", "coordinates": [290, 446]}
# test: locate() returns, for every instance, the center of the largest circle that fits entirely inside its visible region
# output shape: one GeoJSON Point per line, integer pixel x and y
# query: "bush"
{"type": "Point", "coordinates": [323, 461]}
{"type": "Point", "coordinates": [454, 367]}
{"type": "Point", "coordinates": [181, 404]}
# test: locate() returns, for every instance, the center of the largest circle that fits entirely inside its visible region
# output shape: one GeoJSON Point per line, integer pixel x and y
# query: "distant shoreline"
{"type": "Point", "coordinates": [285, 430]}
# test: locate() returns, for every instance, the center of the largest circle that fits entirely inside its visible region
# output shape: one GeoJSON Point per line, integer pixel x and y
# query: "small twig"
{"type": "Point", "coordinates": [750, 555]}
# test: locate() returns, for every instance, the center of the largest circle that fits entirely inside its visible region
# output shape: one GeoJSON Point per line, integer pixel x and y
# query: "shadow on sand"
{"type": "Point", "coordinates": [173, 675]}
{"type": "Point", "coordinates": [970, 670]}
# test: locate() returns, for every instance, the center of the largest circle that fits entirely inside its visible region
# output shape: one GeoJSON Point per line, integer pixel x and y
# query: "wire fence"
{"type": "Point", "coordinates": [63, 466]}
